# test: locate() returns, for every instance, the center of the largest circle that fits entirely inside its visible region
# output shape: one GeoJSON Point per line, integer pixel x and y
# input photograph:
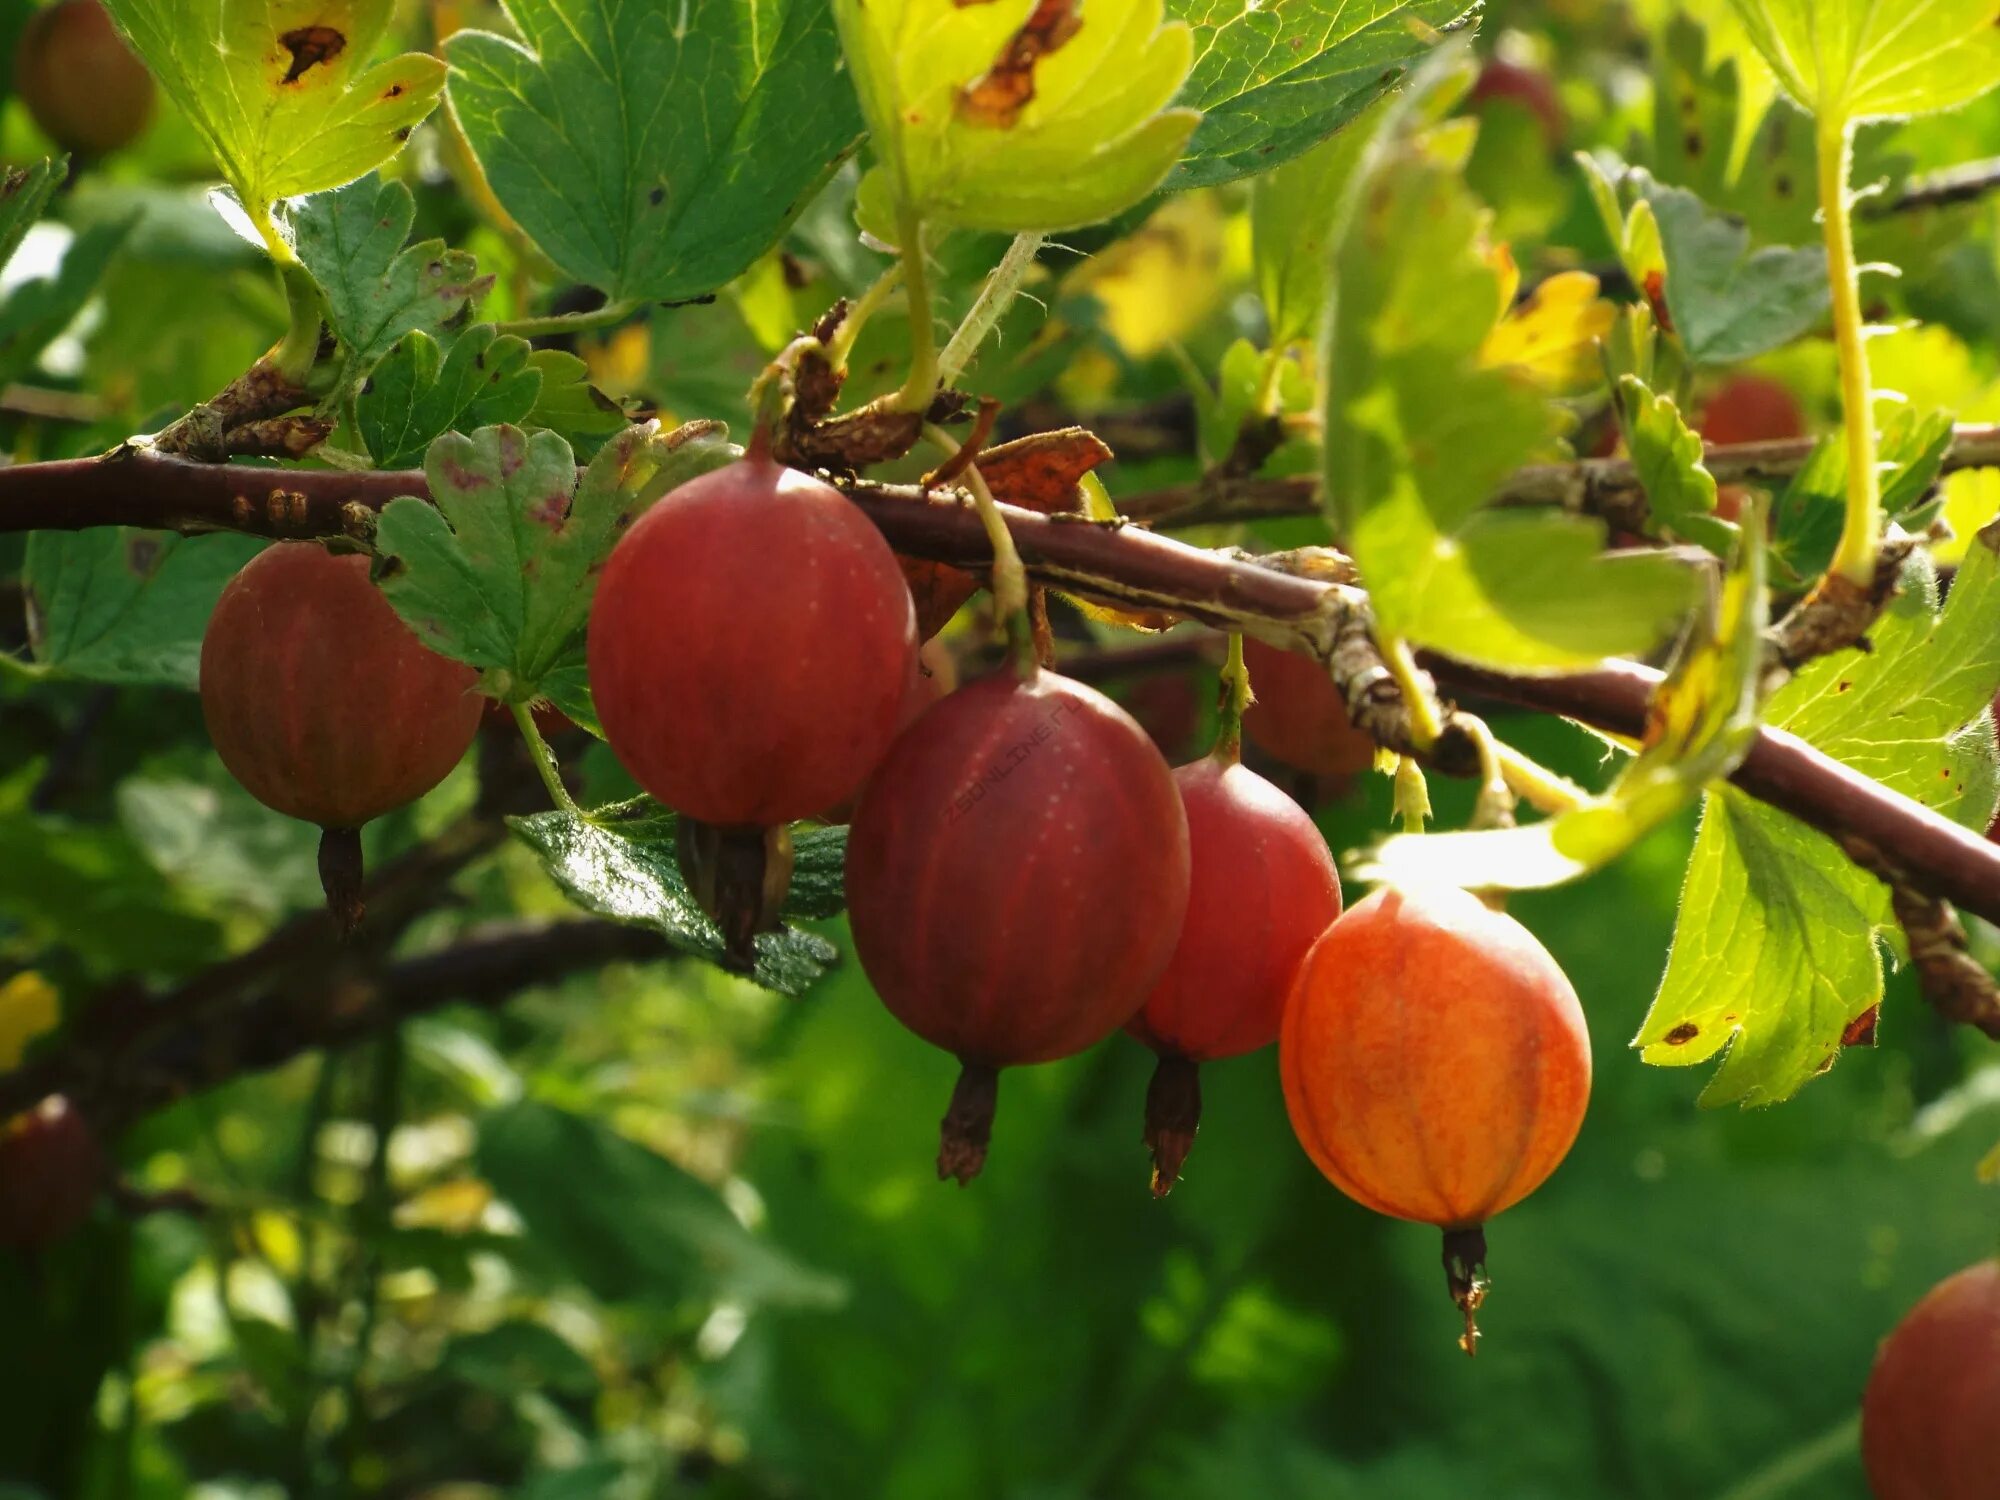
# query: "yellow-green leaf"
{"type": "Point", "coordinates": [280, 89]}
{"type": "Point", "coordinates": [1853, 60]}
{"type": "Point", "coordinates": [1019, 115]}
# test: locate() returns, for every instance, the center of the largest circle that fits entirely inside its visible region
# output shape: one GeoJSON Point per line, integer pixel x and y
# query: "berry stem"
{"type": "Point", "coordinates": [340, 877]}
{"type": "Point", "coordinates": [544, 758]}
{"type": "Point", "coordinates": [1465, 1276]}
{"type": "Point", "coordinates": [968, 1123]}
{"type": "Point", "coordinates": [1412, 794]}
{"type": "Point", "coordinates": [995, 293]}
{"type": "Point", "coordinates": [922, 384]}
{"type": "Point", "coordinates": [1860, 536]}
{"type": "Point", "coordinates": [1425, 724]}
{"type": "Point", "coordinates": [1010, 577]}
{"type": "Point", "coordinates": [1173, 1115]}
{"type": "Point", "coordinates": [864, 307]}
{"type": "Point", "coordinates": [556, 324]}
{"type": "Point", "coordinates": [1233, 697]}
{"type": "Point", "coordinates": [1535, 784]}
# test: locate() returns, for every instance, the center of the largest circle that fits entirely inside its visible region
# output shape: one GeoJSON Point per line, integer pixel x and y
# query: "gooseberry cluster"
{"type": "Point", "coordinates": [1025, 875]}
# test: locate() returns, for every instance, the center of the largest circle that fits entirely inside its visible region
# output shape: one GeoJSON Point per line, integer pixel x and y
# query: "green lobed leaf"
{"type": "Point", "coordinates": [1854, 60]}
{"type": "Point", "coordinates": [1668, 457]}
{"type": "Point", "coordinates": [1419, 433]}
{"type": "Point", "coordinates": [1730, 302]}
{"type": "Point", "coordinates": [1017, 116]}
{"type": "Point", "coordinates": [1272, 81]}
{"type": "Point", "coordinates": [498, 571]}
{"type": "Point", "coordinates": [626, 1222]}
{"type": "Point", "coordinates": [24, 193]}
{"type": "Point", "coordinates": [377, 287]}
{"type": "Point", "coordinates": [280, 90]}
{"type": "Point", "coordinates": [417, 394]}
{"type": "Point", "coordinates": [622, 864]}
{"type": "Point", "coordinates": [655, 151]}
{"type": "Point", "coordinates": [1777, 948]}
{"type": "Point", "coordinates": [568, 404]}
{"type": "Point", "coordinates": [114, 604]}
{"type": "Point", "coordinates": [35, 312]}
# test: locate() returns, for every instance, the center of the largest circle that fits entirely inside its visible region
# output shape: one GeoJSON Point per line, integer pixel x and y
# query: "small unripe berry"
{"type": "Point", "coordinates": [82, 84]}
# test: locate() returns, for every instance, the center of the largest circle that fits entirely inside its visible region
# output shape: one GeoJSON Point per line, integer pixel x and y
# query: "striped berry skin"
{"type": "Point", "coordinates": [1016, 876]}
{"type": "Point", "coordinates": [1436, 1066]}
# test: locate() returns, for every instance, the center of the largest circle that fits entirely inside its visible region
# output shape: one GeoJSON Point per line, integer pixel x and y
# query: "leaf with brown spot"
{"type": "Point", "coordinates": [280, 91]}
{"type": "Point", "coordinates": [997, 97]}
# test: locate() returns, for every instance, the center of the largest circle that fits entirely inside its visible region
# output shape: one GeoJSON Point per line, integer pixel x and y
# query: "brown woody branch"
{"type": "Point", "coordinates": [1605, 487]}
{"type": "Point", "coordinates": [1301, 602]}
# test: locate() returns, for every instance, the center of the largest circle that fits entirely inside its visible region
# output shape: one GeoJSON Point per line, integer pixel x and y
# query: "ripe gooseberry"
{"type": "Point", "coordinates": [1299, 717]}
{"type": "Point", "coordinates": [1930, 1418]}
{"type": "Point", "coordinates": [751, 643]}
{"type": "Point", "coordinates": [80, 81]}
{"type": "Point", "coordinates": [1016, 875]}
{"type": "Point", "coordinates": [1436, 1066]}
{"type": "Point", "coordinates": [50, 1171]}
{"type": "Point", "coordinates": [325, 705]}
{"type": "Point", "coordinates": [1262, 889]}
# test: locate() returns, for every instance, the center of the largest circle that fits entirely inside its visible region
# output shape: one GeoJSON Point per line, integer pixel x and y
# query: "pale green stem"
{"type": "Point", "coordinates": [298, 351]}
{"type": "Point", "coordinates": [1010, 577]}
{"type": "Point", "coordinates": [1860, 536]}
{"type": "Point", "coordinates": [922, 385]}
{"type": "Point", "coordinates": [1412, 795]}
{"type": "Point", "coordinates": [576, 322]}
{"type": "Point", "coordinates": [986, 310]}
{"type": "Point", "coordinates": [1425, 725]}
{"type": "Point", "coordinates": [544, 758]}
{"type": "Point", "coordinates": [1535, 784]}
{"type": "Point", "coordinates": [865, 307]}
{"type": "Point", "coordinates": [1235, 698]}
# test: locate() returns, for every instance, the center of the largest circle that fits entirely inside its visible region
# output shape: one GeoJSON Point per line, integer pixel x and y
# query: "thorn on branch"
{"type": "Point", "coordinates": [247, 417]}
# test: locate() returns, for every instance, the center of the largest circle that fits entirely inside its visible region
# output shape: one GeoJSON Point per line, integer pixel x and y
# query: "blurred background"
{"type": "Point", "coordinates": [651, 1231]}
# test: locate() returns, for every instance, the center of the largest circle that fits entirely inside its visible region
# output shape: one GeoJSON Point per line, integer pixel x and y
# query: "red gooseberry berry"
{"type": "Point", "coordinates": [50, 1170]}
{"type": "Point", "coordinates": [1262, 888]}
{"type": "Point", "coordinates": [1436, 1066]}
{"type": "Point", "coordinates": [325, 705]}
{"type": "Point", "coordinates": [1930, 1418]}
{"type": "Point", "coordinates": [1748, 408]}
{"type": "Point", "coordinates": [751, 645]}
{"type": "Point", "coordinates": [1016, 875]}
{"type": "Point", "coordinates": [79, 80]}
{"type": "Point", "coordinates": [1526, 88]}
{"type": "Point", "coordinates": [1299, 717]}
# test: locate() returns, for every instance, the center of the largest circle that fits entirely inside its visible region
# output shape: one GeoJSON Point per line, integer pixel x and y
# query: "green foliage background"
{"type": "Point", "coordinates": [657, 1231]}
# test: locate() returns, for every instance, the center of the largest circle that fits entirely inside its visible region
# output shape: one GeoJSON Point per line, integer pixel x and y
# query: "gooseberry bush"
{"type": "Point", "coordinates": [624, 615]}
